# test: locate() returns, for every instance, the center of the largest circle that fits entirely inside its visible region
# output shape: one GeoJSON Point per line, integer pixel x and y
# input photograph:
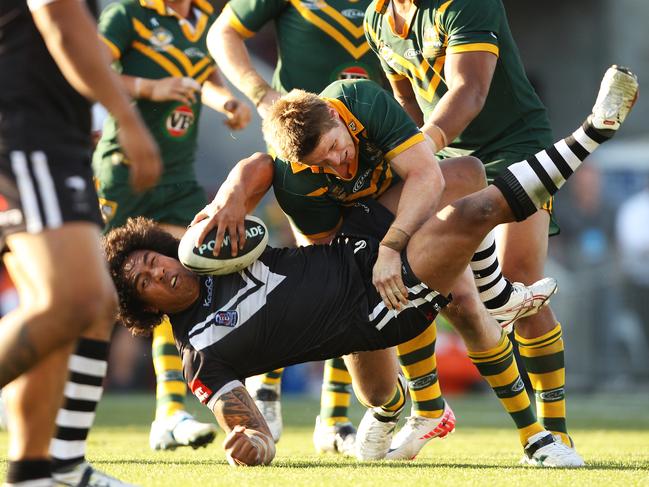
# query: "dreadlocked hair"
{"type": "Point", "coordinates": [136, 234]}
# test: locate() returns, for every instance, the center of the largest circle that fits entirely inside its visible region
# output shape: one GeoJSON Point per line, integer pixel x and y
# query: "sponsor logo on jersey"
{"type": "Point", "coordinates": [312, 4]}
{"type": "Point", "coordinates": [360, 182]}
{"type": "Point", "coordinates": [353, 72]}
{"type": "Point", "coordinates": [200, 390]}
{"type": "Point", "coordinates": [432, 45]}
{"type": "Point", "coordinates": [76, 183]}
{"type": "Point", "coordinates": [11, 217]}
{"type": "Point", "coordinates": [180, 121]}
{"type": "Point", "coordinates": [227, 318]}
{"type": "Point", "coordinates": [352, 13]}
{"type": "Point", "coordinates": [194, 52]}
{"type": "Point", "coordinates": [551, 396]}
{"type": "Point", "coordinates": [161, 38]}
{"type": "Point", "coordinates": [411, 53]}
{"type": "Point", "coordinates": [387, 53]}
{"type": "Point", "coordinates": [359, 245]}
{"type": "Point", "coordinates": [208, 288]}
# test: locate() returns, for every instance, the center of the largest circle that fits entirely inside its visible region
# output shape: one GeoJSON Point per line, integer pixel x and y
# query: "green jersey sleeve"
{"type": "Point", "coordinates": [472, 26]}
{"type": "Point", "coordinates": [248, 16]}
{"type": "Point", "coordinates": [116, 28]}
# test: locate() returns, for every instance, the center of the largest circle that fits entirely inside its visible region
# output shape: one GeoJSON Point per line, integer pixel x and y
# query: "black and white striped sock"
{"type": "Point", "coordinates": [494, 289]}
{"type": "Point", "coordinates": [528, 184]}
{"type": "Point", "coordinates": [87, 365]}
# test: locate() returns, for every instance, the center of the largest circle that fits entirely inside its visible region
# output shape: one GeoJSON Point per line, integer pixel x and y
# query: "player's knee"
{"type": "Point", "coordinates": [376, 393]}
{"type": "Point", "coordinates": [465, 175]}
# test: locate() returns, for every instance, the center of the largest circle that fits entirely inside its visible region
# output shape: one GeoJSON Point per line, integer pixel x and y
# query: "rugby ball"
{"type": "Point", "coordinates": [202, 260]}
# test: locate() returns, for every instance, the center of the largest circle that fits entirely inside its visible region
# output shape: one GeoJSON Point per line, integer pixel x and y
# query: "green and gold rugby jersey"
{"type": "Point", "coordinates": [513, 118]}
{"type": "Point", "coordinates": [151, 41]}
{"type": "Point", "coordinates": [313, 197]}
{"type": "Point", "coordinates": [319, 41]}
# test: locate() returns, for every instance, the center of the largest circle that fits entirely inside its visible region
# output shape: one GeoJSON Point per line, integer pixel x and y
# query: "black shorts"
{"type": "Point", "coordinates": [43, 189]}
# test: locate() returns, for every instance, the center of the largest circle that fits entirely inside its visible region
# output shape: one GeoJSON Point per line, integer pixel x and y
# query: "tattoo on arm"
{"type": "Point", "coordinates": [237, 408]}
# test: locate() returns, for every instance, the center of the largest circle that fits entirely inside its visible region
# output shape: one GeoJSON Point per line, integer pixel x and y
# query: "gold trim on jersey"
{"type": "Point", "coordinates": [475, 47]}
{"type": "Point", "coordinates": [158, 58]}
{"type": "Point", "coordinates": [191, 33]}
{"type": "Point", "coordinates": [407, 144]}
{"type": "Point", "coordinates": [318, 192]}
{"type": "Point", "coordinates": [356, 50]}
{"type": "Point", "coordinates": [326, 233]}
{"type": "Point", "coordinates": [236, 24]}
{"type": "Point", "coordinates": [114, 50]}
{"type": "Point", "coordinates": [189, 68]}
{"type": "Point", "coordinates": [417, 74]}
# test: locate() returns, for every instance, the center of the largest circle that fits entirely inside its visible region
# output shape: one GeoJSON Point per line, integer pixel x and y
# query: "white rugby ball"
{"type": "Point", "coordinates": [202, 260]}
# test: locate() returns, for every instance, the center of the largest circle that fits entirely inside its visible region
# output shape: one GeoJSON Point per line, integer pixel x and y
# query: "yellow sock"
{"type": "Point", "coordinates": [544, 360]}
{"type": "Point", "coordinates": [419, 365]}
{"type": "Point", "coordinates": [336, 393]}
{"type": "Point", "coordinates": [273, 378]}
{"type": "Point", "coordinates": [498, 367]}
{"type": "Point", "coordinates": [171, 389]}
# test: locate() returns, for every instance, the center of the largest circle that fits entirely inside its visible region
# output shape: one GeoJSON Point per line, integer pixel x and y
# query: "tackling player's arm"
{"type": "Point", "coordinates": [422, 188]}
{"type": "Point", "coordinates": [218, 96]}
{"type": "Point", "coordinates": [228, 48]}
{"type": "Point", "coordinates": [468, 77]}
{"type": "Point", "coordinates": [239, 194]}
{"type": "Point", "coordinates": [71, 37]}
{"type": "Point", "coordinates": [405, 95]}
{"type": "Point", "coordinates": [248, 440]}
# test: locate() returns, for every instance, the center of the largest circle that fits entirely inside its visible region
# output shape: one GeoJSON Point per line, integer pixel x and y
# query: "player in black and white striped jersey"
{"type": "Point", "coordinates": [50, 63]}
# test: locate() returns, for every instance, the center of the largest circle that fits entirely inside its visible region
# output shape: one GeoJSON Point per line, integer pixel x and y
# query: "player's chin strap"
{"type": "Point", "coordinates": [530, 450]}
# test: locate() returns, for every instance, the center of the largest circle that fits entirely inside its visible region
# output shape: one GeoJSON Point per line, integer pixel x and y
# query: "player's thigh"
{"type": "Point", "coordinates": [374, 375]}
{"type": "Point", "coordinates": [64, 264]}
{"type": "Point", "coordinates": [523, 247]}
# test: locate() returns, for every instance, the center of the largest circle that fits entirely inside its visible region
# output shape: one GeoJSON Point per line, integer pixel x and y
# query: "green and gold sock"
{"type": "Point", "coordinates": [336, 392]}
{"type": "Point", "coordinates": [171, 389]}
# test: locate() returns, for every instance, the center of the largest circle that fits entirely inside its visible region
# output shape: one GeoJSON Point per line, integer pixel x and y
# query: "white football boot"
{"type": "Point", "coordinates": [418, 431]}
{"type": "Point", "coordinates": [338, 438]}
{"type": "Point", "coordinates": [374, 435]}
{"type": "Point", "coordinates": [180, 429]}
{"type": "Point", "coordinates": [268, 400]}
{"type": "Point", "coordinates": [85, 475]}
{"type": "Point", "coordinates": [617, 94]}
{"type": "Point", "coordinates": [547, 450]}
{"type": "Point", "coordinates": [524, 301]}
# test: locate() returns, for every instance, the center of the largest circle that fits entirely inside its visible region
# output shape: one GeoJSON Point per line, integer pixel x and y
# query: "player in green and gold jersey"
{"type": "Point", "coordinates": [454, 66]}
{"type": "Point", "coordinates": [159, 48]}
{"type": "Point", "coordinates": [318, 42]}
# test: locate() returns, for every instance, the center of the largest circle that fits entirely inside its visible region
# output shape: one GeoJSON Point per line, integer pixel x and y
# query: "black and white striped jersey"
{"type": "Point", "coordinates": [39, 109]}
{"type": "Point", "coordinates": [293, 306]}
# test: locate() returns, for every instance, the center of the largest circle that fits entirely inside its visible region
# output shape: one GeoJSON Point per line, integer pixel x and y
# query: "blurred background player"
{"type": "Point", "coordinates": [160, 50]}
{"type": "Point", "coordinates": [455, 68]}
{"type": "Point", "coordinates": [50, 62]}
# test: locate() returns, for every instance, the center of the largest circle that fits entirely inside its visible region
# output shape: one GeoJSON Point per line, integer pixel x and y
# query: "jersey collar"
{"type": "Point", "coordinates": [386, 8]}
{"type": "Point", "coordinates": [354, 126]}
{"type": "Point", "coordinates": [161, 8]}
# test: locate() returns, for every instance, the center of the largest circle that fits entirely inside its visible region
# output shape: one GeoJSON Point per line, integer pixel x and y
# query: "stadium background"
{"type": "Point", "coordinates": [565, 46]}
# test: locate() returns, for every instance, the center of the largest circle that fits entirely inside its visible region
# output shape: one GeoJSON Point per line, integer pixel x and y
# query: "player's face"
{"type": "Point", "coordinates": [336, 149]}
{"type": "Point", "coordinates": [161, 282]}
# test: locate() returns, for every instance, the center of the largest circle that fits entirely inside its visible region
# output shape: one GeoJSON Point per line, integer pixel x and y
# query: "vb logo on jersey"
{"type": "Point", "coordinates": [180, 121]}
{"type": "Point", "coordinates": [353, 72]}
{"type": "Point", "coordinates": [432, 44]}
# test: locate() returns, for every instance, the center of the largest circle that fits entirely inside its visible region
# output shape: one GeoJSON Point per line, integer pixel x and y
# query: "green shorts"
{"type": "Point", "coordinates": [174, 204]}
{"type": "Point", "coordinates": [501, 160]}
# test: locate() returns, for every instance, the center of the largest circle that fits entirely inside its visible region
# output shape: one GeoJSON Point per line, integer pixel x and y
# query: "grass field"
{"type": "Point", "coordinates": [612, 433]}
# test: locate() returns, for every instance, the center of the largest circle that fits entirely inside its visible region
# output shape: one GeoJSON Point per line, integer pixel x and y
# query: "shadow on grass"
{"type": "Point", "coordinates": [371, 465]}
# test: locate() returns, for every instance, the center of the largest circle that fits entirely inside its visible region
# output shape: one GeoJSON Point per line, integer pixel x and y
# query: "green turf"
{"type": "Point", "coordinates": [612, 433]}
